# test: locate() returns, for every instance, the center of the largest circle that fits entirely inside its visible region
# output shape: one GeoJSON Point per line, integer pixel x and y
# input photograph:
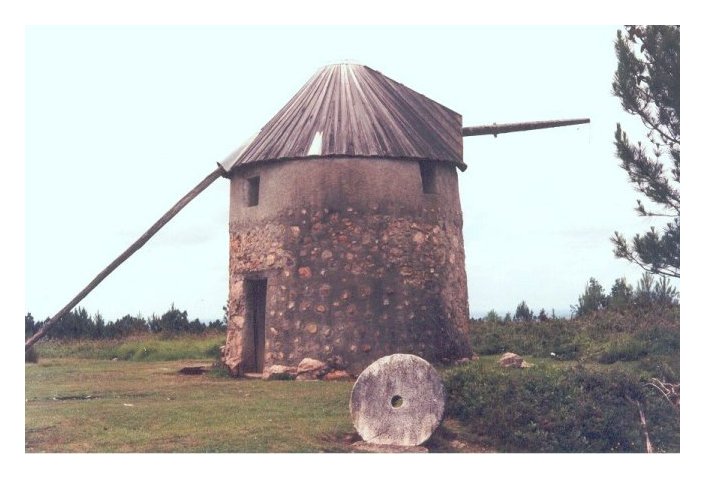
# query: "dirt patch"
{"type": "Point", "coordinates": [75, 398]}
{"type": "Point", "coordinates": [193, 370]}
{"type": "Point", "coordinates": [445, 439]}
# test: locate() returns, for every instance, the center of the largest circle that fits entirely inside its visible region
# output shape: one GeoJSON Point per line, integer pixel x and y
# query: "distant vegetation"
{"type": "Point", "coordinates": [78, 324]}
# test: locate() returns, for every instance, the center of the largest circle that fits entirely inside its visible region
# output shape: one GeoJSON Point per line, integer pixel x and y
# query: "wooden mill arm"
{"type": "Point", "coordinates": [496, 129]}
{"type": "Point", "coordinates": [220, 171]}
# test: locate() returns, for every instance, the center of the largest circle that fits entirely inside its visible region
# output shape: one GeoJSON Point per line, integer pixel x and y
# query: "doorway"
{"type": "Point", "coordinates": [256, 305]}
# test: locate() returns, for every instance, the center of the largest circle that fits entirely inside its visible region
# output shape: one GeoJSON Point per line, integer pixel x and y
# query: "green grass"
{"type": "Point", "coordinates": [148, 407]}
{"type": "Point", "coordinates": [145, 348]}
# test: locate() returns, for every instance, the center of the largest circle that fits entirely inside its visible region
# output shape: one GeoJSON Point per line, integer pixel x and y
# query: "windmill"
{"type": "Point", "coordinates": [344, 111]}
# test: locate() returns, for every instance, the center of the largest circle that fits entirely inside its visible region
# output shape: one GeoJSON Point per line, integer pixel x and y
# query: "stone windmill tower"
{"type": "Point", "coordinates": [345, 228]}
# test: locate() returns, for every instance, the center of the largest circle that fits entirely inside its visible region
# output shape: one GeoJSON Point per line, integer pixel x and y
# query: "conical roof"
{"type": "Point", "coordinates": [350, 110]}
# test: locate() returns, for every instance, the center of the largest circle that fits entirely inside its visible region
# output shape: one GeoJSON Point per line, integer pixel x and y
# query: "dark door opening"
{"type": "Point", "coordinates": [256, 305]}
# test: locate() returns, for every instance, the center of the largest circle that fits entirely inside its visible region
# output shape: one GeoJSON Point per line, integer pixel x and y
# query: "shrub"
{"type": "Point", "coordinates": [665, 368]}
{"type": "Point", "coordinates": [542, 338]}
{"type": "Point", "coordinates": [550, 410]}
{"type": "Point", "coordinates": [628, 349]}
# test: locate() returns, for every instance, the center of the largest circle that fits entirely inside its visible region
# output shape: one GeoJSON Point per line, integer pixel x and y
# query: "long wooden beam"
{"type": "Point", "coordinates": [205, 183]}
{"type": "Point", "coordinates": [496, 129]}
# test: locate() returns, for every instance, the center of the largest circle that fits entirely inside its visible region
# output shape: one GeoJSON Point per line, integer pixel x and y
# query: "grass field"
{"type": "Point", "coordinates": [88, 405]}
{"type": "Point", "coordinates": [127, 396]}
{"type": "Point", "coordinates": [76, 405]}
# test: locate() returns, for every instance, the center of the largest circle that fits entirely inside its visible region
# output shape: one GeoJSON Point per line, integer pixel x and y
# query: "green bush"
{"type": "Point", "coordinates": [664, 368]}
{"type": "Point", "coordinates": [552, 410]}
{"type": "Point", "coordinates": [535, 338]}
{"type": "Point", "coordinates": [628, 349]}
{"type": "Point", "coordinates": [605, 335]}
{"type": "Point", "coordinates": [661, 340]}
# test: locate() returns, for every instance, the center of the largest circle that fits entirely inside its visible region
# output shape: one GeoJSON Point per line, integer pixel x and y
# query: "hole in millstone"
{"type": "Point", "coordinates": [397, 401]}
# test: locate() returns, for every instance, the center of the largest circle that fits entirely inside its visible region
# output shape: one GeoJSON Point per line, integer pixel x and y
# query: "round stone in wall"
{"type": "Point", "coordinates": [398, 400]}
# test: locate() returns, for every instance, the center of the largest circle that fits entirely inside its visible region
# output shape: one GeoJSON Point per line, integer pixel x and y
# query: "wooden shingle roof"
{"type": "Point", "coordinates": [351, 110]}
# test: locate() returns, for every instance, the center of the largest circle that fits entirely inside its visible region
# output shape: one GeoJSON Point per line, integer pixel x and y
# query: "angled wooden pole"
{"type": "Point", "coordinates": [126, 254]}
{"type": "Point", "coordinates": [496, 129]}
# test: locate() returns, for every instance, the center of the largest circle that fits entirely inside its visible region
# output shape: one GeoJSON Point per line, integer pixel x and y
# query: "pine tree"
{"type": "Point", "coordinates": [621, 295]}
{"type": "Point", "coordinates": [593, 299]}
{"type": "Point", "coordinates": [523, 313]}
{"type": "Point", "coordinates": [29, 325]}
{"type": "Point", "coordinates": [647, 82]}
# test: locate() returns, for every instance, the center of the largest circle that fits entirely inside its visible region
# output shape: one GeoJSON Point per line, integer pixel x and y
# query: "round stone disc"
{"type": "Point", "coordinates": [398, 399]}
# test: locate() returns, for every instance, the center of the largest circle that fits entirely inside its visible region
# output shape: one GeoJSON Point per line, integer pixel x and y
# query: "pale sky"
{"type": "Point", "coordinates": [123, 121]}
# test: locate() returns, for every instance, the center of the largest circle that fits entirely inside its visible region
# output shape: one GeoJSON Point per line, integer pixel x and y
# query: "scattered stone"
{"type": "Point", "coordinates": [455, 444]}
{"type": "Point", "coordinates": [336, 362]}
{"type": "Point", "coordinates": [311, 369]}
{"type": "Point", "coordinates": [337, 375]}
{"type": "Point", "coordinates": [512, 360]}
{"type": "Point", "coordinates": [72, 398]}
{"type": "Point", "coordinates": [304, 272]}
{"type": "Point", "coordinates": [278, 371]}
{"type": "Point", "coordinates": [460, 361]}
{"type": "Point", "coordinates": [311, 328]}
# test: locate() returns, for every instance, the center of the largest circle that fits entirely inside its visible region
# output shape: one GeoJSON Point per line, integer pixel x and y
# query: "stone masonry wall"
{"type": "Point", "coordinates": [351, 284]}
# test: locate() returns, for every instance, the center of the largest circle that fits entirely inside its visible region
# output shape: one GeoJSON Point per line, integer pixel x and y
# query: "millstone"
{"type": "Point", "coordinates": [398, 399]}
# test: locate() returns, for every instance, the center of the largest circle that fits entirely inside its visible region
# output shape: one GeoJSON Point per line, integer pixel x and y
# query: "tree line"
{"type": "Point", "coordinates": [78, 324]}
{"type": "Point", "coordinates": [649, 292]}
